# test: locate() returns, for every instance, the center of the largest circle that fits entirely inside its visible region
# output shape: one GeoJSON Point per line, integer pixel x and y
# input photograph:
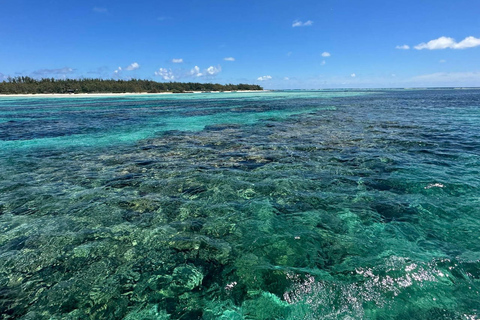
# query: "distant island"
{"type": "Point", "coordinates": [27, 85]}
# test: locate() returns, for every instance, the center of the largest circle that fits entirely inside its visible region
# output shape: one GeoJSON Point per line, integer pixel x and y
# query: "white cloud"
{"type": "Point", "coordinates": [323, 62]}
{"type": "Point", "coordinates": [213, 70]}
{"type": "Point", "coordinates": [229, 59]}
{"type": "Point", "coordinates": [468, 42]}
{"type": "Point", "coordinates": [165, 74]}
{"type": "Point", "coordinates": [298, 23]}
{"type": "Point", "coordinates": [210, 71]}
{"type": "Point", "coordinates": [353, 75]}
{"type": "Point", "coordinates": [326, 54]}
{"type": "Point", "coordinates": [196, 72]}
{"type": "Point", "coordinates": [450, 43]}
{"type": "Point", "coordinates": [442, 61]}
{"type": "Point", "coordinates": [177, 60]}
{"type": "Point", "coordinates": [440, 43]}
{"type": "Point", "coordinates": [403, 47]}
{"type": "Point", "coordinates": [264, 78]}
{"type": "Point", "coordinates": [99, 10]}
{"type": "Point", "coordinates": [286, 78]}
{"type": "Point", "coordinates": [133, 66]}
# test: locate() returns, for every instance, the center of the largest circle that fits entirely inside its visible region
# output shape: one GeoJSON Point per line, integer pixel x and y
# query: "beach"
{"type": "Point", "coordinates": [111, 94]}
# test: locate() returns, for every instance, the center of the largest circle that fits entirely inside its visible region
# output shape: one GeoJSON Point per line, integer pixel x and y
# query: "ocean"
{"type": "Point", "coordinates": [331, 204]}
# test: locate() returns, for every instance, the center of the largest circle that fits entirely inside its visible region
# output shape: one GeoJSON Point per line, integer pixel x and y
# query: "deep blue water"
{"type": "Point", "coordinates": [272, 205]}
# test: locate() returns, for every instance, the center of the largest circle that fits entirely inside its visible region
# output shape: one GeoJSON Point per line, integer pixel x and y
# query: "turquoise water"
{"type": "Point", "coordinates": [272, 205]}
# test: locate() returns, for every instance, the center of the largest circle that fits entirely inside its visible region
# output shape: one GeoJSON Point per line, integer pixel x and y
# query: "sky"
{"type": "Point", "coordinates": [278, 44]}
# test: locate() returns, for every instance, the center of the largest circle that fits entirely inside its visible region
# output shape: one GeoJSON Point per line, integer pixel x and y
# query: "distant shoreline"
{"type": "Point", "coordinates": [112, 94]}
{"type": "Point", "coordinates": [28, 87]}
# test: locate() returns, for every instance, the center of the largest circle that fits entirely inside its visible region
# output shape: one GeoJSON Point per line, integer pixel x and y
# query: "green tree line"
{"type": "Point", "coordinates": [27, 85]}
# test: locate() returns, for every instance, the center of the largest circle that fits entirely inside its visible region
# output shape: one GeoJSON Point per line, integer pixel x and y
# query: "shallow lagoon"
{"type": "Point", "coordinates": [273, 205]}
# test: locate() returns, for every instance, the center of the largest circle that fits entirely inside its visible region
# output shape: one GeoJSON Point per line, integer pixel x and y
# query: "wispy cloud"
{"type": "Point", "coordinates": [353, 75]}
{"type": "Point", "coordinates": [326, 54]}
{"type": "Point", "coordinates": [403, 47]}
{"type": "Point", "coordinates": [449, 78]}
{"type": "Point", "coordinates": [286, 78]}
{"type": "Point", "coordinates": [133, 66]}
{"type": "Point", "coordinates": [442, 61]}
{"type": "Point", "coordinates": [298, 23]}
{"type": "Point", "coordinates": [165, 74]}
{"type": "Point", "coordinates": [99, 10]}
{"type": "Point", "coordinates": [3, 77]}
{"type": "Point", "coordinates": [229, 59]}
{"type": "Point", "coordinates": [264, 78]}
{"type": "Point", "coordinates": [177, 60]}
{"type": "Point", "coordinates": [323, 62]}
{"type": "Point", "coordinates": [99, 71]}
{"type": "Point", "coordinates": [60, 71]}
{"type": "Point", "coordinates": [449, 43]}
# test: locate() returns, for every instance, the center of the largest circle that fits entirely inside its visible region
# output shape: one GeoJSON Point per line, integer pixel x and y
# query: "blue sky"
{"type": "Point", "coordinates": [277, 44]}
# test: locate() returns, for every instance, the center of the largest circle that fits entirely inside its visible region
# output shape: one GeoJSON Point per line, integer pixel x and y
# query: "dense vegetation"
{"type": "Point", "coordinates": [23, 85]}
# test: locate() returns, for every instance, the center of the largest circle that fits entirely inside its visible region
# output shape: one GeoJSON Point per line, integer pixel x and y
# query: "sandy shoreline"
{"type": "Point", "coordinates": [83, 95]}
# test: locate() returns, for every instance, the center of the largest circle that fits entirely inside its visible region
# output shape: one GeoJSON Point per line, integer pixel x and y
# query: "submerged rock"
{"type": "Point", "coordinates": [186, 278]}
{"type": "Point", "coordinates": [265, 306]}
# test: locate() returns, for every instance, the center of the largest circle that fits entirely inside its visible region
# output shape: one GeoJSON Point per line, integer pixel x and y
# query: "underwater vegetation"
{"type": "Point", "coordinates": [318, 207]}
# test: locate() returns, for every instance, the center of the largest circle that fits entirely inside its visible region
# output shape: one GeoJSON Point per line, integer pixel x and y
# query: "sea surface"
{"type": "Point", "coordinates": [270, 205]}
